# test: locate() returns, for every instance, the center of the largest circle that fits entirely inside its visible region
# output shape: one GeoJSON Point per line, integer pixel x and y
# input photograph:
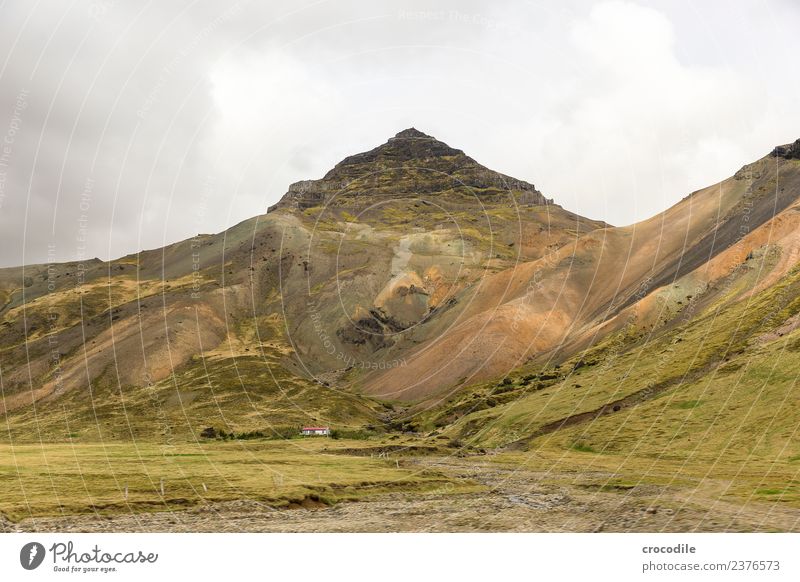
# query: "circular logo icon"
{"type": "Point", "coordinates": [31, 555]}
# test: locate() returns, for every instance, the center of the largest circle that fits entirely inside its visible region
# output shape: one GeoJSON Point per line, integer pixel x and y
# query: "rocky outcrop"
{"type": "Point", "coordinates": [789, 152]}
{"type": "Point", "coordinates": [411, 164]}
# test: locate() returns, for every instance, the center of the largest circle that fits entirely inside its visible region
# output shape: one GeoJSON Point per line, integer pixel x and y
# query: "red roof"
{"type": "Point", "coordinates": [315, 428]}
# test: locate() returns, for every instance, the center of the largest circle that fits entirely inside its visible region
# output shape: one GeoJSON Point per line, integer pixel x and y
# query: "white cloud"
{"type": "Point", "coordinates": [271, 109]}
{"type": "Point", "coordinates": [615, 109]}
{"type": "Point", "coordinates": [637, 129]}
{"type": "Point", "coordinates": [626, 38]}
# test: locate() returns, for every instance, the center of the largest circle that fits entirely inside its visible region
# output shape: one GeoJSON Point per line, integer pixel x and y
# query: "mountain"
{"type": "Point", "coordinates": [401, 288]}
{"type": "Point", "coordinates": [684, 344]}
{"type": "Point", "coordinates": [596, 283]}
{"type": "Point", "coordinates": [398, 246]}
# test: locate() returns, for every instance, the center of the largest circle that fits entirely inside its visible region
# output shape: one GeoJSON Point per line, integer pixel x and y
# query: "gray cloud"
{"type": "Point", "coordinates": [132, 127]}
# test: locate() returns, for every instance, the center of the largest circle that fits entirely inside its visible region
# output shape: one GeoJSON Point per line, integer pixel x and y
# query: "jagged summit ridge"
{"type": "Point", "coordinates": [410, 164]}
{"type": "Point", "coordinates": [412, 132]}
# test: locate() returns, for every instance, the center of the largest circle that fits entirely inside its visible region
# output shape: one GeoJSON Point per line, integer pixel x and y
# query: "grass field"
{"type": "Point", "coordinates": [65, 479]}
{"type": "Point", "coordinates": [742, 482]}
{"type": "Point", "coordinates": [574, 488]}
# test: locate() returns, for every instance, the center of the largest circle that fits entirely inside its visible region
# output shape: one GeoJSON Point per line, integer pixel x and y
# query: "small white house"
{"type": "Point", "coordinates": [315, 431]}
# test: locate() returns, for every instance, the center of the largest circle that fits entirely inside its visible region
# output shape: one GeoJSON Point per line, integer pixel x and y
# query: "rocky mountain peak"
{"type": "Point", "coordinates": [408, 146]}
{"type": "Point", "coordinates": [410, 164]}
{"type": "Point", "coordinates": [412, 132]}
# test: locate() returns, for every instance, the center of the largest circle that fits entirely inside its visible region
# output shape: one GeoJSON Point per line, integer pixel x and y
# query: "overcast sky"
{"type": "Point", "coordinates": [133, 125]}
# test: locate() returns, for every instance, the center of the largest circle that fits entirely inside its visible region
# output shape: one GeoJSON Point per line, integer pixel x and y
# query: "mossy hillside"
{"type": "Point", "coordinates": [65, 308]}
{"type": "Point", "coordinates": [239, 395]}
{"type": "Point", "coordinates": [494, 414]}
{"type": "Point", "coordinates": [742, 412]}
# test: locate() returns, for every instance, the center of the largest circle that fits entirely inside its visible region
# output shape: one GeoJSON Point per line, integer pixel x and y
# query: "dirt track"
{"type": "Point", "coordinates": [514, 501]}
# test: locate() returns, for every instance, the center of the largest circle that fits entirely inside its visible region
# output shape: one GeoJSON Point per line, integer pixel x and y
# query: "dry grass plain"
{"type": "Point", "coordinates": [338, 486]}
{"type": "Point", "coordinates": [126, 478]}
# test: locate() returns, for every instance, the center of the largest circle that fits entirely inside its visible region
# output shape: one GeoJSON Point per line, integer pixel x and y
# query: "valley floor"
{"type": "Point", "coordinates": [481, 493]}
